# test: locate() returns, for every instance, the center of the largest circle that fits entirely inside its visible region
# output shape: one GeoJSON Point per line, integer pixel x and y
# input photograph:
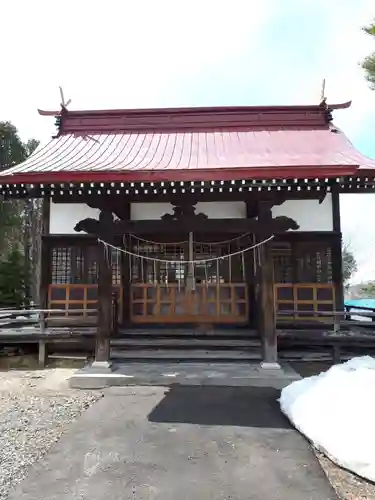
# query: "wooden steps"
{"type": "Point", "coordinates": [188, 355]}
{"type": "Point", "coordinates": [186, 333]}
{"type": "Point", "coordinates": [187, 345]}
{"type": "Point", "coordinates": [199, 343]}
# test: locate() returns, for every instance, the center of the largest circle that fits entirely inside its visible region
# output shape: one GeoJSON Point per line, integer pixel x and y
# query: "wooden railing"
{"type": "Point", "coordinates": [335, 332]}
{"type": "Point", "coordinates": [213, 303]}
{"type": "Point", "coordinates": [78, 299]}
{"type": "Point", "coordinates": [303, 300]}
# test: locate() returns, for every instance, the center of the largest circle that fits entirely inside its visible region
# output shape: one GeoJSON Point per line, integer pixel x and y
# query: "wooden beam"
{"type": "Point", "coordinates": [117, 201]}
{"type": "Point", "coordinates": [46, 209]}
{"type": "Point", "coordinates": [290, 236]}
{"type": "Point", "coordinates": [313, 236]}
{"type": "Point", "coordinates": [110, 231]}
{"type": "Point", "coordinates": [336, 219]}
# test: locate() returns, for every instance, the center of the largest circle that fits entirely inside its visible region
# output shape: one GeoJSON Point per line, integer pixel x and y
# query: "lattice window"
{"type": "Point", "coordinates": [75, 265]}
{"type": "Point", "coordinates": [91, 265]}
{"type": "Point", "coordinates": [61, 265]}
{"type": "Point", "coordinates": [116, 266]}
{"type": "Point", "coordinates": [283, 263]}
{"type": "Point", "coordinates": [227, 270]}
{"type": "Point", "coordinates": [149, 271]}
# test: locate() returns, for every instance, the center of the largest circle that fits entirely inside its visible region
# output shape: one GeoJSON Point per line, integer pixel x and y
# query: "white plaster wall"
{"type": "Point", "coordinates": [64, 216]}
{"type": "Point", "coordinates": [308, 213]}
{"type": "Point", "coordinates": [213, 210]}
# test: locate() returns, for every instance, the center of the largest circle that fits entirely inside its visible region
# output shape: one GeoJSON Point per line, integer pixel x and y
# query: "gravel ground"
{"type": "Point", "coordinates": [348, 486]}
{"type": "Point", "coordinates": [36, 408]}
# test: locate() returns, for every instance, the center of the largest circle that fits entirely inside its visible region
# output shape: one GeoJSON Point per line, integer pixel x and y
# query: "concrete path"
{"type": "Point", "coordinates": [180, 443]}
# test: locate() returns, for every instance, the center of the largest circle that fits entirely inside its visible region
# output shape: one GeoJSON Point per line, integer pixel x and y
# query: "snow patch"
{"type": "Point", "coordinates": [335, 411]}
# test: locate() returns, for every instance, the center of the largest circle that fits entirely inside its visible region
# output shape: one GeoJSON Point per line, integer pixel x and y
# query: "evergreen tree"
{"type": "Point", "coordinates": [16, 239]}
{"type": "Point", "coordinates": [12, 280]}
{"type": "Point", "coordinates": [368, 290]}
{"type": "Point", "coordinates": [349, 265]}
{"type": "Point", "coordinates": [369, 62]}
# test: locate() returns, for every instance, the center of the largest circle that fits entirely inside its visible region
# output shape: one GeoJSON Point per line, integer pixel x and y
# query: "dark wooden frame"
{"type": "Point", "coordinates": [101, 201]}
{"type": "Point", "coordinates": [259, 221]}
{"type": "Point", "coordinates": [49, 241]}
{"type": "Point", "coordinates": [74, 306]}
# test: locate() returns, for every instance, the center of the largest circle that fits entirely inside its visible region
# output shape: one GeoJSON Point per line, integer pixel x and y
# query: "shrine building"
{"type": "Point", "coordinates": [223, 217]}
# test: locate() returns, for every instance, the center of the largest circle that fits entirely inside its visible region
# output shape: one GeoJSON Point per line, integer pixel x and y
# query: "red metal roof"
{"type": "Point", "coordinates": [192, 144]}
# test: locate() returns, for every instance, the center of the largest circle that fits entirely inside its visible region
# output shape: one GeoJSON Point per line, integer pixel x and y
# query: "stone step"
{"type": "Point", "coordinates": [192, 343]}
{"type": "Point", "coordinates": [202, 373]}
{"type": "Point", "coordinates": [185, 355]}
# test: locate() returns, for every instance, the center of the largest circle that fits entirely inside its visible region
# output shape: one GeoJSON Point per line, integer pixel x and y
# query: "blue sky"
{"type": "Point", "coordinates": [123, 53]}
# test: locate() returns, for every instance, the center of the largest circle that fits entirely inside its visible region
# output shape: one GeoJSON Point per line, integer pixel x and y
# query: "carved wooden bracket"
{"type": "Point", "coordinates": [112, 204]}
{"type": "Point", "coordinates": [102, 228]}
{"type": "Point", "coordinates": [184, 219]}
{"type": "Point", "coordinates": [184, 212]}
{"type": "Point", "coordinates": [278, 224]}
{"type": "Point", "coordinates": [281, 224]}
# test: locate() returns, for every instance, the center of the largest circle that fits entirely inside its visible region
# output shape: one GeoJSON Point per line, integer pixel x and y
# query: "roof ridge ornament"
{"type": "Point", "coordinates": [323, 103]}
{"type": "Point", "coordinates": [57, 114]}
{"type": "Point", "coordinates": [64, 104]}
{"type": "Point", "coordinates": [323, 98]}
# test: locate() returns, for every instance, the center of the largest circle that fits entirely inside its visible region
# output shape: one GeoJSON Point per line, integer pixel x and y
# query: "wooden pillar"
{"type": "Point", "coordinates": [102, 349]}
{"type": "Point", "coordinates": [267, 319]}
{"type": "Point", "coordinates": [337, 272]}
{"type": "Point", "coordinates": [126, 287]}
{"type": "Point", "coordinates": [45, 258]}
{"type": "Point", "coordinates": [125, 262]}
{"type": "Point", "coordinates": [336, 249]}
{"type": "Point", "coordinates": [250, 274]}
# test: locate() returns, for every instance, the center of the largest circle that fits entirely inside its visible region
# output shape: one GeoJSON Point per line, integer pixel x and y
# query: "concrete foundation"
{"type": "Point", "coordinates": [165, 374]}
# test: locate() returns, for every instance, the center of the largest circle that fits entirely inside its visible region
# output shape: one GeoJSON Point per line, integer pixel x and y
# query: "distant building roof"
{"type": "Point", "coordinates": [193, 144]}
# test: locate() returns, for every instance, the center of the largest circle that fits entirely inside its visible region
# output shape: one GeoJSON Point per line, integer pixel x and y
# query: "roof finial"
{"type": "Point", "coordinates": [322, 93]}
{"type": "Point", "coordinates": [64, 104]}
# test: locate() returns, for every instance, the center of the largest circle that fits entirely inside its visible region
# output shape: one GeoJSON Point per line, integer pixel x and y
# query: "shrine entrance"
{"type": "Point", "coordinates": [189, 281]}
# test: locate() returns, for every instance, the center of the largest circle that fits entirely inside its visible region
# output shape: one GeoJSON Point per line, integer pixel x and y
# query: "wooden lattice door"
{"type": "Point", "coordinates": [166, 289]}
